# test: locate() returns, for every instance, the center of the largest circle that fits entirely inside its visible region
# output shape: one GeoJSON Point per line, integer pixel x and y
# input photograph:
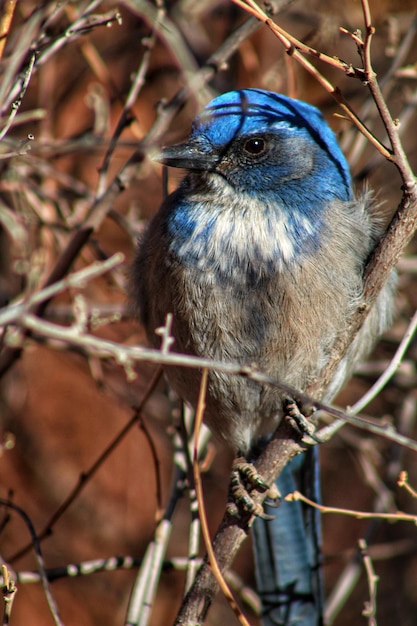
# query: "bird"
{"type": "Point", "coordinates": [259, 255]}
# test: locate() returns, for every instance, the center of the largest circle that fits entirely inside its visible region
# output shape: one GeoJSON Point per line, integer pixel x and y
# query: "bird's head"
{"type": "Point", "coordinates": [263, 142]}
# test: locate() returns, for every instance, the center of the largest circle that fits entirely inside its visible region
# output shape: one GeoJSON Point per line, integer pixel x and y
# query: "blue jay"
{"type": "Point", "coordinates": [259, 255]}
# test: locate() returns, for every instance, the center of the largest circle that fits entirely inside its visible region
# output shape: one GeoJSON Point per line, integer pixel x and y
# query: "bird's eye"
{"type": "Point", "coordinates": [255, 146]}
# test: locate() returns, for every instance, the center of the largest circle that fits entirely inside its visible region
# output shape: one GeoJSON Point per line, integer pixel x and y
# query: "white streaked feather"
{"type": "Point", "coordinates": [244, 228]}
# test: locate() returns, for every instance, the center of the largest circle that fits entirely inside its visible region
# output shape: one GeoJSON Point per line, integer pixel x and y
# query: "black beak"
{"type": "Point", "coordinates": [193, 155]}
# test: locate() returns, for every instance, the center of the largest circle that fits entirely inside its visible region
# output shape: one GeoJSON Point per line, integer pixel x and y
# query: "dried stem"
{"type": "Point", "coordinates": [370, 606]}
{"type": "Point", "coordinates": [403, 482]}
{"type": "Point", "coordinates": [8, 592]}
{"type": "Point", "coordinates": [392, 517]}
{"type": "Point", "coordinates": [5, 23]}
{"type": "Point", "coordinates": [211, 557]}
{"type": "Point", "coordinates": [39, 559]}
{"type": "Point", "coordinates": [296, 49]}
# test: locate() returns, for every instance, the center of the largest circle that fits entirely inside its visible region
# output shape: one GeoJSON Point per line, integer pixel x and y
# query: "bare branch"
{"type": "Point", "coordinates": [370, 606]}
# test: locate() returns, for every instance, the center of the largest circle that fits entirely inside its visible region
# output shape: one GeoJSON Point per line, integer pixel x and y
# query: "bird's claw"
{"type": "Point", "coordinates": [245, 479]}
{"type": "Point", "coordinates": [303, 425]}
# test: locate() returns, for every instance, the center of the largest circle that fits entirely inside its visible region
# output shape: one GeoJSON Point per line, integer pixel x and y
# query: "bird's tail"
{"type": "Point", "coordinates": [287, 550]}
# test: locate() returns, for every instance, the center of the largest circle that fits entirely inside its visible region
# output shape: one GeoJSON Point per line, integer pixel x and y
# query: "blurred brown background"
{"type": "Point", "coordinates": [63, 408]}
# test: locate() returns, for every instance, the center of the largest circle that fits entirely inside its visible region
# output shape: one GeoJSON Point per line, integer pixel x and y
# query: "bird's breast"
{"type": "Point", "coordinates": [240, 240]}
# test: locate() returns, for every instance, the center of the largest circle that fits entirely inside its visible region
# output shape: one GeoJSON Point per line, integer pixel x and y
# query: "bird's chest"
{"type": "Point", "coordinates": [238, 244]}
{"type": "Point", "coordinates": [226, 265]}
{"type": "Point", "coordinates": [243, 285]}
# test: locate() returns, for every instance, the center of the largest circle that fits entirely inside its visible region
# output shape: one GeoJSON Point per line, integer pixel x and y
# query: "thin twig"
{"type": "Point", "coordinates": [344, 586]}
{"type": "Point", "coordinates": [296, 49]}
{"type": "Point", "coordinates": [212, 560]}
{"type": "Point", "coordinates": [403, 482]}
{"type": "Point", "coordinates": [14, 76]}
{"type": "Point", "coordinates": [328, 431]}
{"type": "Point", "coordinates": [6, 22]}
{"type": "Point", "coordinates": [78, 279]}
{"type": "Point", "coordinates": [400, 158]}
{"type": "Point", "coordinates": [369, 610]}
{"type": "Point", "coordinates": [84, 24]}
{"type": "Point", "coordinates": [87, 568]}
{"type": "Point", "coordinates": [8, 592]}
{"type": "Point", "coordinates": [287, 39]}
{"type": "Point", "coordinates": [39, 559]}
{"type": "Point", "coordinates": [355, 142]}
{"type": "Point", "coordinates": [137, 83]}
{"type": "Point", "coordinates": [145, 587]}
{"type": "Point", "coordinates": [183, 439]}
{"type": "Point", "coordinates": [392, 517]}
{"type": "Point", "coordinates": [17, 103]}
{"type": "Point", "coordinates": [128, 562]}
{"type": "Point", "coordinates": [389, 371]}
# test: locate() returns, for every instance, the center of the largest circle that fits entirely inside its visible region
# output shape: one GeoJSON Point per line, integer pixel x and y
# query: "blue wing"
{"type": "Point", "coordinates": [287, 550]}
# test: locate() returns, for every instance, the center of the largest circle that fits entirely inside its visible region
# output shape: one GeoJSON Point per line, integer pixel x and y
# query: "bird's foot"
{"type": "Point", "coordinates": [244, 480]}
{"type": "Point", "coordinates": [302, 424]}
